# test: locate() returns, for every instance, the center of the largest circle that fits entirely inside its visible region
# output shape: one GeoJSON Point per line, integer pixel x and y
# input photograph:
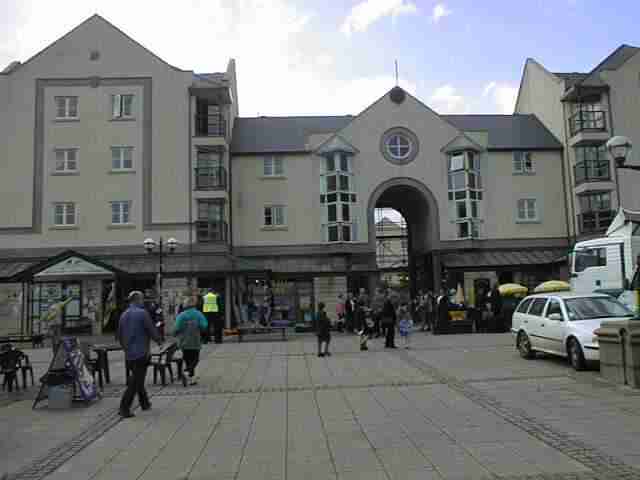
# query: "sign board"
{"type": "Point", "coordinates": [75, 364]}
{"type": "Point", "coordinates": [73, 266]}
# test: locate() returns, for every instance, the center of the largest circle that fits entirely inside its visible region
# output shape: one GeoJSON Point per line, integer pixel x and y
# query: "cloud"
{"type": "Point", "coordinates": [503, 96]}
{"type": "Point", "coordinates": [445, 99]}
{"type": "Point", "coordinates": [487, 90]}
{"type": "Point", "coordinates": [440, 11]}
{"type": "Point", "coordinates": [368, 12]}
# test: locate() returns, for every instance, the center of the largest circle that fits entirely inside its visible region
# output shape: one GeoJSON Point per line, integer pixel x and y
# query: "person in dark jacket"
{"type": "Point", "coordinates": [135, 330]}
{"type": "Point", "coordinates": [495, 301]}
{"type": "Point", "coordinates": [324, 331]}
{"type": "Point", "coordinates": [389, 322]}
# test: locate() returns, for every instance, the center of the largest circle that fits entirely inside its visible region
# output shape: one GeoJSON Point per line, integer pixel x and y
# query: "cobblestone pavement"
{"type": "Point", "coordinates": [452, 407]}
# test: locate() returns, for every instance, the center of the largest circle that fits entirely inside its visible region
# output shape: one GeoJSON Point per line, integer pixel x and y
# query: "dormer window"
{"type": "Point", "coordinates": [338, 198]}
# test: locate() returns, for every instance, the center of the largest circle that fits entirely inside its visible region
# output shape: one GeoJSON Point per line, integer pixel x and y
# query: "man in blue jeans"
{"type": "Point", "coordinates": [134, 333]}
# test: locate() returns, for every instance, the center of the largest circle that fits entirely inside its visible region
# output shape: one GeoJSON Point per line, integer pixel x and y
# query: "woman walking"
{"type": "Point", "coordinates": [324, 331]}
{"type": "Point", "coordinates": [189, 326]}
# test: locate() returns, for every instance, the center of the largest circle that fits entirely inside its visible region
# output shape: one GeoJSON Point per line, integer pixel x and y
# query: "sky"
{"type": "Point", "coordinates": [332, 57]}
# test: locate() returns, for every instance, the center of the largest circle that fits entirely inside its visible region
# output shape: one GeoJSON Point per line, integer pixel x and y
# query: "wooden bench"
{"type": "Point", "coordinates": [34, 340]}
{"type": "Point", "coordinates": [261, 330]}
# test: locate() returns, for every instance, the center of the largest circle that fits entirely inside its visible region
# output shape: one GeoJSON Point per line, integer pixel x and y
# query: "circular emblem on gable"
{"type": "Point", "coordinates": [399, 145]}
{"type": "Point", "coordinates": [397, 95]}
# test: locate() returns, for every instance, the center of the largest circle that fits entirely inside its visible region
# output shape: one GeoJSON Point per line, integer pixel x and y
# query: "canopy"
{"type": "Point", "coordinates": [552, 286]}
{"type": "Point", "coordinates": [512, 289]}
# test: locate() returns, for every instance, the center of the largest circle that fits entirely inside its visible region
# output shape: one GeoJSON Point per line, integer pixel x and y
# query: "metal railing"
{"type": "Point", "coordinates": [595, 221]}
{"type": "Point", "coordinates": [210, 125]}
{"type": "Point", "coordinates": [211, 232]}
{"type": "Point", "coordinates": [592, 171]}
{"type": "Point", "coordinates": [585, 120]}
{"type": "Point", "coordinates": [211, 178]}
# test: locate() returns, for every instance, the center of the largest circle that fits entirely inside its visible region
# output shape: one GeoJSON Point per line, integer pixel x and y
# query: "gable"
{"type": "Point", "coordinates": [461, 142]}
{"type": "Point", "coordinates": [336, 144]}
{"type": "Point", "coordinates": [73, 266]}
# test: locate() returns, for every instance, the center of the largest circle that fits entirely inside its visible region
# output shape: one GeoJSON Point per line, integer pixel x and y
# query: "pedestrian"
{"type": "Point", "coordinates": [362, 306]}
{"type": "Point", "coordinates": [323, 329]}
{"type": "Point", "coordinates": [340, 313]}
{"type": "Point", "coordinates": [188, 328]}
{"type": "Point", "coordinates": [350, 312]}
{"type": "Point", "coordinates": [405, 325]}
{"type": "Point", "coordinates": [441, 318]}
{"type": "Point", "coordinates": [210, 310]}
{"type": "Point", "coordinates": [377, 304]}
{"type": "Point", "coordinates": [54, 321]}
{"type": "Point", "coordinates": [265, 312]}
{"type": "Point", "coordinates": [367, 328]}
{"type": "Point", "coordinates": [389, 321]}
{"type": "Point", "coordinates": [135, 330]}
{"type": "Point", "coordinates": [495, 303]}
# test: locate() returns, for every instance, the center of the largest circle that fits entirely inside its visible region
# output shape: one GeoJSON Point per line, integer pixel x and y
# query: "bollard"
{"type": "Point", "coordinates": [619, 343]}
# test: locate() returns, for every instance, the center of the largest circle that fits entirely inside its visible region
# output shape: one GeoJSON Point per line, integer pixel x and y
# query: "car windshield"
{"type": "Point", "coordinates": [589, 308]}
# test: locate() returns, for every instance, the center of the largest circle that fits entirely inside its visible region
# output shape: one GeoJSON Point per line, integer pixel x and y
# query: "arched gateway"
{"type": "Point", "coordinates": [418, 205]}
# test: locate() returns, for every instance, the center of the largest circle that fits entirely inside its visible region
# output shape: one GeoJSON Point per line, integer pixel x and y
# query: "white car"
{"type": "Point", "coordinates": [563, 324]}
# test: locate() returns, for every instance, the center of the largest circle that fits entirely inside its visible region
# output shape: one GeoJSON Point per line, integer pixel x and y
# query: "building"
{"type": "Point", "coordinates": [107, 145]}
{"type": "Point", "coordinates": [584, 110]}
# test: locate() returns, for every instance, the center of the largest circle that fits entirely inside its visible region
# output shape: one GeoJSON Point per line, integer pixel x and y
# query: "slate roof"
{"type": "Point", "coordinates": [503, 258]}
{"type": "Point", "coordinates": [290, 134]}
{"type": "Point", "coordinates": [204, 80]}
{"type": "Point", "coordinates": [614, 61]}
{"type": "Point", "coordinates": [571, 78]}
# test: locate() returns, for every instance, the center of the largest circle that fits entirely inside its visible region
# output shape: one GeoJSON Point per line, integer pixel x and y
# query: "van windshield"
{"type": "Point", "coordinates": [589, 308]}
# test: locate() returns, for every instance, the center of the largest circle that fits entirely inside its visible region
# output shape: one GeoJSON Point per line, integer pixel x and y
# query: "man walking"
{"type": "Point", "coordinates": [389, 321]}
{"type": "Point", "coordinates": [377, 304]}
{"type": "Point", "coordinates": [134, 332]}
{"type": "Point", "coordinates": [210, 310]}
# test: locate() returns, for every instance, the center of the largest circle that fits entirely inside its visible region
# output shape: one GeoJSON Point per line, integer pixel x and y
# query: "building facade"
{"type": "Point", "coordinates": [107, 145]}
{"type": "Point", "coordinates": [584, 110]}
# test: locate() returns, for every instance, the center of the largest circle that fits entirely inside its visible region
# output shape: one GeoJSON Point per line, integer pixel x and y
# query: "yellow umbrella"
{"type": "Point", "coordinates": [509, 289]}
{"type": "Point", "coordinates": [552, 286]}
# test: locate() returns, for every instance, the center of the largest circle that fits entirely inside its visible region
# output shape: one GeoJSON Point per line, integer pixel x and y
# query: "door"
{"type": "Point", "coordinates": [597, 267]}
{"type": "Point", "coordinates": [554, 328]}
{"type": "Point", "coordinates": [536, 323]}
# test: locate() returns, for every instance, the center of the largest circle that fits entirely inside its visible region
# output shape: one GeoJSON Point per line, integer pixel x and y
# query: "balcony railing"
{"type": "Point", "coordinates": [595, 221]}
{"type": "Point", "coordinates": [211, 178]}
{"type": "Point", "coordinates": [592, 171]}
{"type": "Point", "coordinates": [211, 232]}
{"type": "Point", "coordinates": [210, 125]}
{"type": "Point", "coordinates": [587, 120]}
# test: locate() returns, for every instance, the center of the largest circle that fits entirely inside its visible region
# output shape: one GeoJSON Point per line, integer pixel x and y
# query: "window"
{"type": "Point", "coordinates": [465, 193]}
{"type": "Point", "coordinates": [122, 106]}
{"type": "Point", "coordinates": [64, 214]}
{"type": "Point", "coordinates": [211, 226]}
{"type": "Point", "coordinates": [274, 216]}
{"type": "Point", "coordinates": [524, 306]}
{"type": "Point", "coordinates": [522, 162]}
{"type": "Point", "coordinates": [66, 107]}
{"type": "Point", "coordinates": [527, 210]}
{"type": "Point", "coordinates": [554, 307]}
{"type": "Point", "coordinates": [120, 212]}
{"type": "Point", "coordinates": [336, 199]}
{"type": "Point", "coordinates": [538, 306]}
{"type": "Point", "coordinates": [398, 146]}
{"type": "Point", "coordinates": [66, 160]}
{"type": "Point", "coordinates": [592, 164]}
{"type": "Point", "coordinates": [210, 172]}
{"type": "Point", "coordinates": [590, 257]}
{"type": "Point", "coordinates": [121, 158]}
{"type": "Point", "coordinates": [273, 166]}
{"type": "Point", "coordinates": [595, 202]}
{"type": "Point", "coordinates": [456, 162]}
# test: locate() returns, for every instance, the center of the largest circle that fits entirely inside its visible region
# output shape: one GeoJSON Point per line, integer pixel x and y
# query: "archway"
{"type": "Point", "coordinates": [419, 208]}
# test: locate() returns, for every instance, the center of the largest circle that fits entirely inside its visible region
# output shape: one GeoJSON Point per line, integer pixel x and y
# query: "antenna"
{"type": "Point", "coordinates": [396, 72]}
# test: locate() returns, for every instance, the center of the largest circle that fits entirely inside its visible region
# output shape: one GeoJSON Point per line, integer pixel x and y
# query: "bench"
{"type": "Point", "coordinates": [35, 340]}
{"type": "Point", "coordinates": [261, 330]}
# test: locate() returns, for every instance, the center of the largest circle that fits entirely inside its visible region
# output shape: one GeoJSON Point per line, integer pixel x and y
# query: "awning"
{"type": "Point", "coordinates": [9, 269]}
{"type": "Point", "coordinates": [503, 258]}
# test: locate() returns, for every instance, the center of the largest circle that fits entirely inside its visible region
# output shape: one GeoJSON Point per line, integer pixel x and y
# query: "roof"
{"type": "Point", "coordinates": [204, 80]}
{"type": "Point", "coordinates": [502, 258]}
{"type": "Point", "coordinates": [290, 134]}
{"type": "Point", "coordinates": [508, 132]}
{"type": "Point", "coordinates": [614, 61]}
{"type": "Point", "coordinates": [571, 78]}
{"type": "Point", "coordinates": [568, 295]}
{"type": "Point", "coordinates": [281, 134]}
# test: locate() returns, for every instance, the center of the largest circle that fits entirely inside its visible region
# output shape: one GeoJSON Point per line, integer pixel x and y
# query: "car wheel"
{"type": "Point", "coordinates": [576, 357]}
{"type": "Point", "coordinates": [524, 346]}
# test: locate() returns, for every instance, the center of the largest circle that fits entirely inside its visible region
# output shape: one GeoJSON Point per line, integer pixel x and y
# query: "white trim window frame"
{"type": "Point", "coordinates": [523, 163]}
{"type": "Point", "coordinates": [273, 166]}
{"type": "Point", "coordinates": [527, 210]}
{"type": "Point", "coordinates": [120, 212]}
{"type": "Point", "coordinates": [464, 184]}
{"type": "Point", "coordinates": [121, 158]}
{"type": "Point", "coordinates": [338, 198]}
{"type": "Point", "coordinates": [65, 214]}
{"type": "Point", "coordinates": [274, 216]}
{"type": "Point", "coordinates": [399, 146]}
{"type": "Point", "coordinates": [66, 108]}
{"type": "Point", "coordinates": [122, 105]}
{"type": "Point", "coordinates": [66, 160]}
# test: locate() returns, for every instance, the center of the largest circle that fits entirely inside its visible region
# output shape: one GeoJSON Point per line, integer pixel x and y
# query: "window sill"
{"type": "Point", "coordinates": [121, 226]}
{"type": "Point", "coordinates": [121, 171]}
{"type": "Point", "coordinates": [274, 228]}
{"type": "Point", "coordinates": [64, 227]}
{"type": "Point", "coordinates": [528, 221]}
{"type": "Point", "coordinates": [524, 174]}
{"type": "Point", "coordinates": [67, 120]}
{"type": "Point", "coordinates": [65, 174]}
{"type": "Point", "coordinates": [123, 119]}
{"type": "Point", "coordinates": [273, 177]}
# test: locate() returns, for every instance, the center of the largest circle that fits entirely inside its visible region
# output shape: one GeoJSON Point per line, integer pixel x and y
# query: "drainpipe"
{"type": "Point", "coordinates": [572, 238]}
{"type": "Point", "coordinates": [564, 191]}
{"type": "Point", "coordinates": [190, 196]}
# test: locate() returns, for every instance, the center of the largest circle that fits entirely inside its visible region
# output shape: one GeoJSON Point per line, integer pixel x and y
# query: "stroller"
{"type": "Point", "coordinates": [367, 329]}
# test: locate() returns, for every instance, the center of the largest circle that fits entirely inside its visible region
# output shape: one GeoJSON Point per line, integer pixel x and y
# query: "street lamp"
{"type": "Point", "coordinates": [619, 148]}
{"type": "Point", "coordinates": [150, 245]}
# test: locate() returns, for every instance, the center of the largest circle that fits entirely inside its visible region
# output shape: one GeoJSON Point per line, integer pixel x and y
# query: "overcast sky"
{"type": "Point", "coordinates": [304, 57]}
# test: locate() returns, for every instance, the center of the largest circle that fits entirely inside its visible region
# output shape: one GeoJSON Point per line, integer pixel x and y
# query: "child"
{"type": "Point", "coordinates": [365, 333]}
{"type": "Point", "coordinates": [405, 325]}
{"type": "Point", "coordinates": [324, 331]}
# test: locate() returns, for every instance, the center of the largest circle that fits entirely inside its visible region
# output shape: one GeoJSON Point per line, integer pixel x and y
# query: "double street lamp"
{"type": "Point", "coordinates": [150, 245]}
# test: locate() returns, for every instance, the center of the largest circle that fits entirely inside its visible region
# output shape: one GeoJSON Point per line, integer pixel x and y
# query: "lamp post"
{"type": "Point", "coordinates": [150, 245]}
{"type": "Point", "coordinates": [619, 148]}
